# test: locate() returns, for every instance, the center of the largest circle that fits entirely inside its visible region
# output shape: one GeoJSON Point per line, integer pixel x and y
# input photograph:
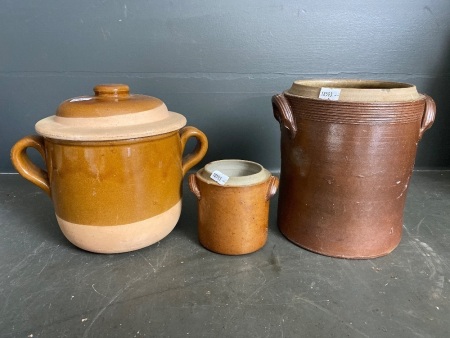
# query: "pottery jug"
{"type": "Point", "coordinates": [114, 167]}
{"type": "Point", "coordinates": [233, 205]}
{"type": "Point", "coordinates": [347, 153]}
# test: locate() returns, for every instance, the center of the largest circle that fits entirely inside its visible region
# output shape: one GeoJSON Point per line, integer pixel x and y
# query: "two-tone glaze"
{"type": "Point", "coordinates": [114, 168]}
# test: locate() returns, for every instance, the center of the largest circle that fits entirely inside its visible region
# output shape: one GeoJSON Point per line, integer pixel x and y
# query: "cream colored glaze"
{"type": "Point", "coordinates": [118, 127]}
{"type": "Point", "coordinates": [121, 238]}
{"type": "Point", "coordinates": [357, 90]}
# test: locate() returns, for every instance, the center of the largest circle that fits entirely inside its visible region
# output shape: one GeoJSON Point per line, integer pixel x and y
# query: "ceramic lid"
{"type": "Point", "coordinates": [357, 90]}
{"type": "Point", "coordinates": [112, 113]}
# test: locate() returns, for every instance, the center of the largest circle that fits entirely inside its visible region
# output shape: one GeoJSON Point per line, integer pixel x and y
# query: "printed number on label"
{"type": "Point", "coordinates": [219, 177]}
{"type": "Point", "coordinates": [331, 94]}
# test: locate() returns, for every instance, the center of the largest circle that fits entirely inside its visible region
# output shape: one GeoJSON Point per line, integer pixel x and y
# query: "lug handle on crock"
{"type": "Point", "coordinates": [200, 150]}
{"type": "Point", "coordinates": [23, 164]}
{"type": "Point", "coordinates": [193, 186]}
{"type": "Point", "coordinates": [273, 187]}
{"type": "Point", "coordinates": [428, 115]}
{"type": "Point", "coordinates": [283, 113]}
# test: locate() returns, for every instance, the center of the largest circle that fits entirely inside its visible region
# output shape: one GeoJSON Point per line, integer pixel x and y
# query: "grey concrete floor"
{"type": "Point", "coordinates": [176, 288]}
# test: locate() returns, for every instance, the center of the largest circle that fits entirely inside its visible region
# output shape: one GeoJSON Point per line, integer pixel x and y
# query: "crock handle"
{"type": "Point", "coordinates": [428, 115]}
{"type": "Point", "coordinates": [200, 150]}
{"type": "Point", "coordinates": [193, 186]}
{"type": "Point", "coordinates": [23, 164]}
{"type": "Point", "coordinates": [273, 187]}
{"type": "Point", "coordinates": [283, 113]}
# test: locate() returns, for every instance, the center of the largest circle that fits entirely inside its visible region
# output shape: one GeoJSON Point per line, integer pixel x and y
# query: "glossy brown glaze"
{"type": "Point", "coordinates": [111, 183]}
{"type": "Point", "coordinates": [109, 100]}
{"type": "Point", "coordinates": [345, 171]}
{"type": "Point", "coordinates": [233, 219]}
{"type": "Point", "coordinates": [117, 182]}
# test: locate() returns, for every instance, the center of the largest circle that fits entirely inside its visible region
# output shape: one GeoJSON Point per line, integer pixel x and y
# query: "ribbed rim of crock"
{"type": "Point", "coordinates": [357, 90]}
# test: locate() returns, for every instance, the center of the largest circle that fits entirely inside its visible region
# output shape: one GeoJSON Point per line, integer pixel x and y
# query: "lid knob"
{"type": "Point", "coordinates": [111, 90]}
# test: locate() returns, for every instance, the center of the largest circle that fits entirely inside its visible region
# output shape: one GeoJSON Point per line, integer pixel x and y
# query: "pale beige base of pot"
{"type": "Point", "coordinates": [124, 237]}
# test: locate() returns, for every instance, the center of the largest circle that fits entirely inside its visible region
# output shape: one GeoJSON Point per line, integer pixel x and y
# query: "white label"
{"type": "Point", "coordinates": [219, 177]}
{"type": "Point", "coordinates": [331, 94]}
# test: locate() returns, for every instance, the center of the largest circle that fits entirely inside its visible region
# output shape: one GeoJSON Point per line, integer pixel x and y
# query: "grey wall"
{"type": "Point", "coordinates": [218, 63]}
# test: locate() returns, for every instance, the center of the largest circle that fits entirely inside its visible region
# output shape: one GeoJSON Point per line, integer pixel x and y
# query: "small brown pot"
{"type": "Point", "coordinates": [233, 217]}
{"type": "Point", "coordinates": [114, 168]}
{"type": "Point", "coordinates": [346, 163]}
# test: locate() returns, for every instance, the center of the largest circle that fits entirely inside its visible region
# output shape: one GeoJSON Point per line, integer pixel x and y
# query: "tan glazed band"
{"type": "Point", "coordinates": [118, 127]}
{"type": "Point", "coordinates": [121, 238]}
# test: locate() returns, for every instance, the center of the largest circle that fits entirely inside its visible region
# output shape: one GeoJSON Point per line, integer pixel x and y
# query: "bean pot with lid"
{"type": "Point", "coordinates": [114, 167]}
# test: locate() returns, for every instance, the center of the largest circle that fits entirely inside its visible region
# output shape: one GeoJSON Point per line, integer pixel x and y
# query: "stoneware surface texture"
{"type": "Point", "coordinates": [233, 218]}
{"type": "Point", "coordinates": [346, 165]}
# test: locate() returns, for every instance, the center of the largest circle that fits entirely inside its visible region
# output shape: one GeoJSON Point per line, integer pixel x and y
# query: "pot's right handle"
{"type": "Point", "coordinates": [283, 113]}
{"type": "Point", "coordinates": [23, 164]}
{"type": "Point", "coordinates": [193, 186]}
{"type": "Point", "coordinates": [428, 115]}
{"type": "Point", "coordinates": [200, 150]}
{"type": "Point", "coordinates": [272, 187]}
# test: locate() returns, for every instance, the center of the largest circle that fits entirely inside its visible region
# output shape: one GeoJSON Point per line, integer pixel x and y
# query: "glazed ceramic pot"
{"type": "Point", "coordinates": [347, 153]}
{"type": "Point", "coordinates": [114, 167]}
{"type": "Point", "coordinates": [233, 205]}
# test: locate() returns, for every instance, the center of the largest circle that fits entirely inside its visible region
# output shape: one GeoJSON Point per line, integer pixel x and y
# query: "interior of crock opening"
{"type": "Point", "coordinates": [235, 168]}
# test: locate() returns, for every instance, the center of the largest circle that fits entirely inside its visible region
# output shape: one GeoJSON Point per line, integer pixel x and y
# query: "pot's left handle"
{"type": "Point", "coordinates": [200, 150]}
{"type": "Point", "coordinates": [23, 164]}
{"type": "Point", "coordinates": [283, 113]}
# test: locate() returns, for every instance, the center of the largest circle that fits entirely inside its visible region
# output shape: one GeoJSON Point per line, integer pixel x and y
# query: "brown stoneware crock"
{"type": "Point", "coordinates": [346, 163]}
{"type": "Point", "coordinates": [114, 167]}
{"type": "Point", "coordinates": [233, 215]}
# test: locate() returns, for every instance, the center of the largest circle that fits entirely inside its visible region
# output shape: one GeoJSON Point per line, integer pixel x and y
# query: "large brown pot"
{"type": "Point", "coordinates": [114, 166]}
{"type": "Point", "coordinates": [346, 163]}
